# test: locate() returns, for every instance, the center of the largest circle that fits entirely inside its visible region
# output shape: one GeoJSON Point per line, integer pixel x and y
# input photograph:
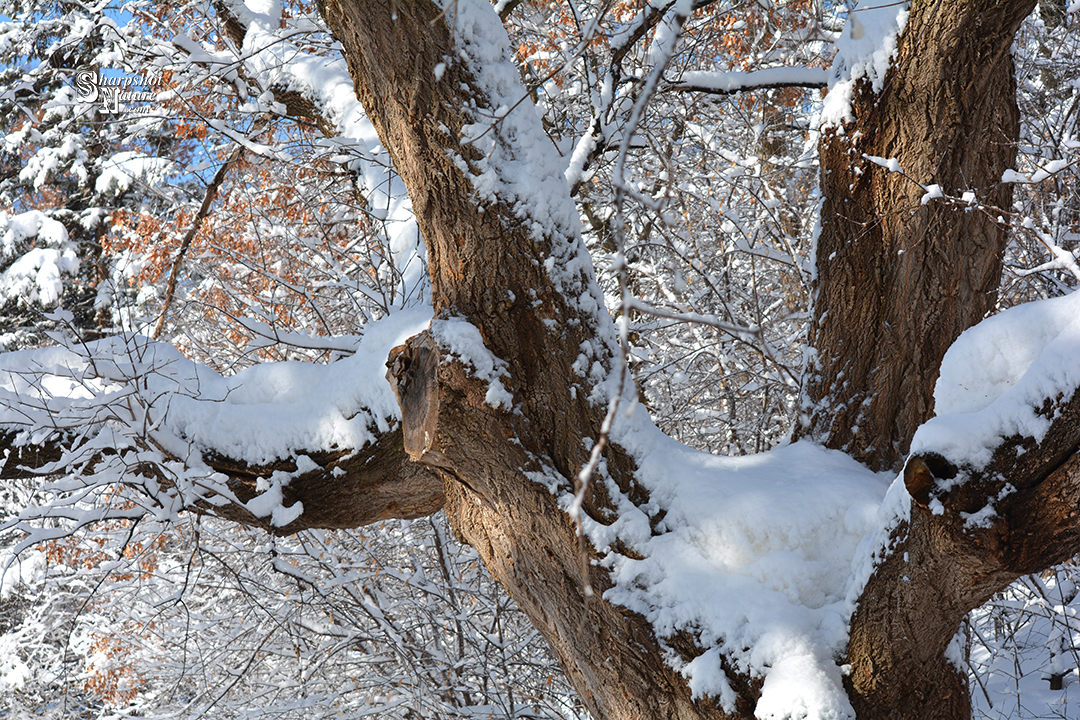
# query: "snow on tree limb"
{"type": "Point", "coordinates": [727, 83]}
{"type": "Point", "coordinates": [277, 445]}
{"type": "Point", "coordinates": [1007, 431]}
{"type": "Point", "coordinates": [998, 378]}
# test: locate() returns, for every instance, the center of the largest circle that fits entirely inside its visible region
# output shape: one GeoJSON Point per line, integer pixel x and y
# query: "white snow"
{"type": "Point", "coordinates": [269, 411]}
{"type": "Point", "coordinates": [755, 562]}
{"type": "Point", "coordinates": [734, 81]}
{"type": "Point", "coordinates": [52, 158]}
{"type": "Point", "coordinates": [584, 146]}
{"type": "Point", "coordinates": [267, 501]}
{"type": "Point", "coordinates": [666, 36]}
{"type": "Point", "coordinates": [932, 192]}
{"type": "Point", "coordinates": [15, 229]}
{"type": "Point", "coordinates": [890, 164]}
{"type": "Point", "coordinates": [1050, 168]}
{"type": "Point", "coordinates": [865, 49]}
{"type": "Point", "coordinates": [27, 569]}
{"type": "Point", "coordinates": [13, 671]}
{"type": "Point", "coordinates": [518, 164]}
{"type": "Point", "coordinates": [995, 376]}
{"type": "Point", "coordinates": [37, 275]}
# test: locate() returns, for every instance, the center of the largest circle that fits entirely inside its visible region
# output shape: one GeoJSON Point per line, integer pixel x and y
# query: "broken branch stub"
{"type": "Point", "coordinates": [411, 372]}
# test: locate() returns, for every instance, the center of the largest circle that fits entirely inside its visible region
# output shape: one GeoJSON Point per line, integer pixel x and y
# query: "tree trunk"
{"type": "Point", "coordinates": [899, 280]}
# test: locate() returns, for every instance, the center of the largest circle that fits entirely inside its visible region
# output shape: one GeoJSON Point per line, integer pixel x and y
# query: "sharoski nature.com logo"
{"type": "Point", "coordinates": [121, 93]}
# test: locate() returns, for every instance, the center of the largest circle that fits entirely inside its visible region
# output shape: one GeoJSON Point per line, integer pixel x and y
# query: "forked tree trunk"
{"type": "Point", "coordinates": [899, 280]}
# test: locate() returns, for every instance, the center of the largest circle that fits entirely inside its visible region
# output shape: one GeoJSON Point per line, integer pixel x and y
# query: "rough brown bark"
{"type": "Point", "coordinates": [898, 281]}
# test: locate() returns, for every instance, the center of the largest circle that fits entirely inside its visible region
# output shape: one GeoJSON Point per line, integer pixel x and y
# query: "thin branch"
{"type": "Point", "coordinates": [729, 83]}
{"type": "Point", "coordinates": [204, 210]}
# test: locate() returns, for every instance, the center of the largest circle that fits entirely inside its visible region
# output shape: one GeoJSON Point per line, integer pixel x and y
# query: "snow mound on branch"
{"type": "Point", "coordinates": [463, 340]}
{"type": "Point", "coordinates": [997, 374]}
{"type": "Point", "coordinates": [36, 276]}
{"type": "Point", "coordinates": [754, 560]}
{"type": "Point", "coordinates": [268, 412]}
{"type": "Point", "coordinates": [732, 82]}
{"type": "Point", "coordinates": [259, 415]}
{"type": "Point", "coordinates": [865, 49]}
{"type": "Point", "coordinates": [518, 164]}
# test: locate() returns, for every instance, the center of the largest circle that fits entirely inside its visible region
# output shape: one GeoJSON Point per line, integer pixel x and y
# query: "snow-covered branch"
{"type": "Point", "coordinates": [127, 427]}
{"type": "Point", "coordinates": [728, 83]}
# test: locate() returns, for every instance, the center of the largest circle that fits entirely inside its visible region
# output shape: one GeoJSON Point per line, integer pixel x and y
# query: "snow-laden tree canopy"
{"type": "Point", "coordinates": [674, 309]}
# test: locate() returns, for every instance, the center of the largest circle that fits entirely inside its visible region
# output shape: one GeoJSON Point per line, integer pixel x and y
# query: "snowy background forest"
{"type": "Point", "coordinates": [231, 242]}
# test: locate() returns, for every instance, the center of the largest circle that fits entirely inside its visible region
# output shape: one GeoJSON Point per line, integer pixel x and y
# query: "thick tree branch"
{"type": "Point", "coordinates": [971, 533]}
{"type": "Point", "coordinates": [349, 489]}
